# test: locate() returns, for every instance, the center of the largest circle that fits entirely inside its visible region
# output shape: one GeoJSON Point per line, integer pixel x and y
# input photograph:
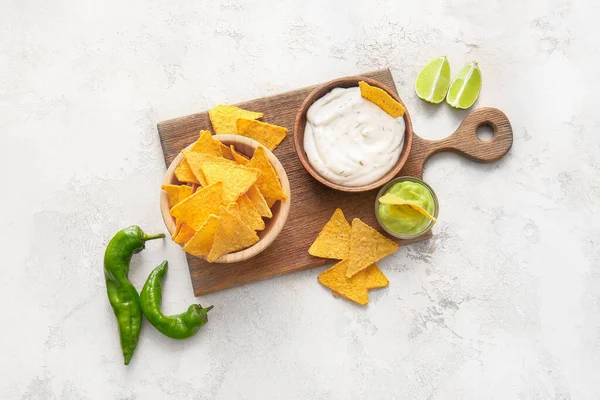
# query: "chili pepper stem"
{"type": "Point", "coordinates": [152, 237]}
{"type": "Point", "coordinates": [208, 308]}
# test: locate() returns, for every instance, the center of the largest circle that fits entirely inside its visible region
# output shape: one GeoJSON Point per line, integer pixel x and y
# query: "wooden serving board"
{"type": "Point", "coordinates": [312, 203]}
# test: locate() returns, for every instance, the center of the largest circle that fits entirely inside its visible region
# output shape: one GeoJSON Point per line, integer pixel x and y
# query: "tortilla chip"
{"type": "Point", "coordinates": [195, 161]}
{"type": "Point", "coordinates": [207, 144]}
{"type": "Point", "coordinates": [270, 202]}
{"type": "Point", "coordinates": [223, 118]}
{"type": "Point", "coordinates": [245, 211]}
{"type": "Point", "coordinates": [236, 179]}
{"type": "Point", "coordinates": [268, 184]}
{"type": "Point", "coordinates": [382, 99]}
{"type": "Point", "coordinates": [266, 134]}
{"type": "Point", "coordinates": [185, 233]}
{"type": "Point", "coordinates": [259, 202]}
{"type": "Point", "coordinates": [367, 246]}
{"type": "Point", "coordinates": [249, 214]}
{"type": "Point", "coordinates": [201, 243]}
{"type": "Point", "coordinates": [231, 235]}
{"type": "Point", "coordinates": [177, 193]}
{"type": "Point", "coordinates": [226, 152]}
{"type": "Point", "coordinates": [184, 173]}
{"type": "Point", "coordinates": [239, 158]}
{"type": "Point", "coordinates": [390, 198]}
{"type": "Point", "coordinates": [334, 239]}
{"type": "Point", "coordinates": [354, 288]}
{"type": "Point", "coordinates": [374, 278]}
{"type": "Point", "coordinates": [229, 195]}
{"type": "Point", "coordinates": [195, 209]}
{"type": "Point", "coordinates": [178, 225]}
{"type": "Point", "coordinates": [234, 209]}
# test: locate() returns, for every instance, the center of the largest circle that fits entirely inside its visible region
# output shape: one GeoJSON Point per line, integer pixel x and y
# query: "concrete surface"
{"type": "Point", "coordinates": [502, 304]}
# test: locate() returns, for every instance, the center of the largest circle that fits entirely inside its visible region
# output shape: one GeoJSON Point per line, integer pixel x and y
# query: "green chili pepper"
{"type": "Point", "coordinates": [123, 296]}
{"type": "Point", "coordinates": [179, 326]}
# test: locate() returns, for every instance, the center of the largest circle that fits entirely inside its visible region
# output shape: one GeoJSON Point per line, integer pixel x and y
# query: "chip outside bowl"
{"type": "Point", "coordinates": [280, 210]}
{"type": "Point", "coordinates": [300, 124]}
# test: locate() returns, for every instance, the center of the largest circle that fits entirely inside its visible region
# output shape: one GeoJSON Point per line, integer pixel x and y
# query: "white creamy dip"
{"type": "Point", "coordinates": [349, 140]}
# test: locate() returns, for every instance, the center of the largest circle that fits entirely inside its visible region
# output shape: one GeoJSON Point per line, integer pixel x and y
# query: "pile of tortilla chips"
{"type": "Point", "coordinates": [234, 120]}
{"type": "Point", "coordinates": [223, 198]}
{"type": "Point", "coordinates": [358, 247]}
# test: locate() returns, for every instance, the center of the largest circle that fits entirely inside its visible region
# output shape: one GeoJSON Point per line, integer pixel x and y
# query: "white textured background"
{"type": "Point", "coordinates": [503, 303]}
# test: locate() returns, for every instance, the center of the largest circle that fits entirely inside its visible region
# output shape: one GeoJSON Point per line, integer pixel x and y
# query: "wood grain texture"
{"type": "Point", "coordinates": [464, 141]}
{"type": "Point", "coordinates": [313, 203]}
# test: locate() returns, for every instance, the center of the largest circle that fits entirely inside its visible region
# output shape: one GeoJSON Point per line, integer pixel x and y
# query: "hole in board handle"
{"type": "Point", "coordinates": [485, 132]}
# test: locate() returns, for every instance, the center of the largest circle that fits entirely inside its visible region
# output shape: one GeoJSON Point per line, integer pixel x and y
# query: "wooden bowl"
{"type": "Point", "coordinates": [300, 124]}
{"type": "Point", "coordinates": [280, 210]}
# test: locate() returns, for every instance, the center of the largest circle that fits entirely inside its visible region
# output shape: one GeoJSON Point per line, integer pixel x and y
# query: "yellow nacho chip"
{"type": "Point", "coordinates": [239, 158]}
{"type": "Point", "coordinates": [234, 209]}
{"type": "Point", "coordinates": [236, 179]}
{"type": "Point", "coordinates": [375, 278]}
{"type": "Point", "coordinates": [259, 202]}
{"type": "Point", "coordinates": [195, 161]}
{"type": "Point", "coordinates": [382, 99]}
{"type": "Point", "coordinates": [390, 198]}
{"type": "Point", "coordinates": [184, 173]}
{"type": "Point", "coordinates": [207, 144]}
{"type": "Point", "coordinates": [268, 183]}
{"type": "Point", "coordinates": [354, 288]}
{"type": "Point", "coordinates": [201, 243]}
{"type": "Point", "coordinates": [266, 134]}
{"type": "Point", "coordinates": [223, 118]}
{"type": "Point", "coordinates": [334, 239]}
{"type": "Point", "coordinates": [185, 233]}
{"type": "Point", "coordinates": [231, 235]}
{"type": "Point", "coordinates": [229, 195]}
{"type": "Point", "coordinates": [249, 214]}
{"type": "Point", "coordinates": [177, 193]}
{"type": "Point", "coordinates": [178, 225]}
{"type": "Point", "coordinates": [367, 246]}
{"type": "Point", "coordinates": [226, 152]}
{"type": "Point", "coordinates": [244, 210]}
{"type": "Point", "coordinates": [270, 202]}
{"type": "Point", "coordinates": [195, 209]}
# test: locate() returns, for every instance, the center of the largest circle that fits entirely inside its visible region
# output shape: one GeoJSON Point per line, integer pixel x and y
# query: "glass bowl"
{"type": "Point", "coordinates": [427, 228]}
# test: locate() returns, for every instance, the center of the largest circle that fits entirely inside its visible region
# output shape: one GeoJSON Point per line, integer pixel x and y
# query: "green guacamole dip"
{"type": "Point", "coordinates": [402, 219]}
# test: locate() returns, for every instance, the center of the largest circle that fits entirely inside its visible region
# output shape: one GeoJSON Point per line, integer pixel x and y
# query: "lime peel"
{"type": "Point", "coordinates": [433, 80]}
{"type": "Point", "coordinates": [464, 89]}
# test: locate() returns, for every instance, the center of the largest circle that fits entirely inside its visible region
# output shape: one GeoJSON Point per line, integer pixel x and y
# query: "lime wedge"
{"type": "Point", "coordinates": [433, 81]}
{"type": "Point", "coordinates": [465, 88]}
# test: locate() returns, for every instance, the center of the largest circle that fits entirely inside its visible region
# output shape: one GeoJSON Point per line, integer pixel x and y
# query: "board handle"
{"type": "Point", "coordinates": [465, 142]}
